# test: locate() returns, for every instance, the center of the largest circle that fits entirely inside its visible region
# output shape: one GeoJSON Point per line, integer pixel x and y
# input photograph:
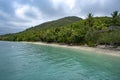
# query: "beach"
{"type": "Point", "coordinates": [96, 50]}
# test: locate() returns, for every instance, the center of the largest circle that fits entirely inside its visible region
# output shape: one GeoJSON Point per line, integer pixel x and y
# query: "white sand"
{"type": "Point", "coordinates": [90, 49]}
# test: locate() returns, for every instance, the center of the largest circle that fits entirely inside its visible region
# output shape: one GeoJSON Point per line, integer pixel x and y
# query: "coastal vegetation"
{"type": "Point", "coordinates": [74, 31]}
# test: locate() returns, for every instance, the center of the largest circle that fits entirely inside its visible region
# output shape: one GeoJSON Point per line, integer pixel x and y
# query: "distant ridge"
{"type": "Point", "coordinates": [57, 23]}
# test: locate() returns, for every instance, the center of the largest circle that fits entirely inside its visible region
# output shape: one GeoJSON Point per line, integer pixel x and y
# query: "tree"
{"type": "Point", "coordinates": [90, 20]}
{"type": "Point", "coordinates": [115, 18]}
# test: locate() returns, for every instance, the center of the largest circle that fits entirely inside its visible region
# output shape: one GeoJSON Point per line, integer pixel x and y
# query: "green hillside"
{"type": "Point", "coordinates": [57, 23]}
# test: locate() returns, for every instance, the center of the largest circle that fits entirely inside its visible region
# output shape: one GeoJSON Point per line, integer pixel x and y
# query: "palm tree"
{"type": "Point", "coordinates": [90, 20]}
{"type": "Point", "coordinates": [115, 18]}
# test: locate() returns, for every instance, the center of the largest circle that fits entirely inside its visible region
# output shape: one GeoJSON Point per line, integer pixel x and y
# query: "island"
{"type": "Point", "coordinates": [102, 32]}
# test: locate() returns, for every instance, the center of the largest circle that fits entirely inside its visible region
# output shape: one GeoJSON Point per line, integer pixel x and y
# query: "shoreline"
{"type": "Point", "coordinates": [84, 48]}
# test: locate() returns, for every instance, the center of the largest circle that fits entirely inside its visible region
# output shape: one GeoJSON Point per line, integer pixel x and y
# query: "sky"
{"type": "Point", "coordinates": [18, 15]}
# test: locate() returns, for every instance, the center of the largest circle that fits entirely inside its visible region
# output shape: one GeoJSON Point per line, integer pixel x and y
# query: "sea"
{"type": "Point", "coordinates": [25, 61]}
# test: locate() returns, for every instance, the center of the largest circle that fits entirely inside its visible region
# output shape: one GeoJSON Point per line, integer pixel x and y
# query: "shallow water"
{"type": "Point", "coordinates": [22, 61]}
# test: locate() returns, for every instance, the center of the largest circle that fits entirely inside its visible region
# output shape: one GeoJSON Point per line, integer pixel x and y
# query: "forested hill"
{"type": "Point", "coordinates": [57, 23]}
{"type": "Point", "coordinates": [73, 30]}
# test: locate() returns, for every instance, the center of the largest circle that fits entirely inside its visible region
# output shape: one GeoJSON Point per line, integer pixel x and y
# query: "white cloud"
{"type": "Point", "coordinates": [65, 3]}
{"type": "Point", "coordinates": [3, 14]}
{"type": "Point", "coordinates": [27, 13]}
{"type": "Point", "coordinates": [21, 10]}
{"type": "Point", "coordinates": [21, 13]}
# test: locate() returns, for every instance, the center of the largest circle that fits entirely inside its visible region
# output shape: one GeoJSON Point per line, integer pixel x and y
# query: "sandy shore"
{"type": "Point", "coordinates": [85, 48]}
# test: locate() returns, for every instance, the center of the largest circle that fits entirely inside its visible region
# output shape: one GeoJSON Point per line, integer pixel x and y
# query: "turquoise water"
{"type": "Point", "coordinates": [21, 61]}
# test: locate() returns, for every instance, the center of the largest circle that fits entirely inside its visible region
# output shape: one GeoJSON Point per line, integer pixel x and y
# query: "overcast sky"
{"type": "Point", "coordinates": [17, 15]}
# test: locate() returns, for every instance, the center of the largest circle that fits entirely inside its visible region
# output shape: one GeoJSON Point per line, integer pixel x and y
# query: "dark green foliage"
{"type": "Point", "coordinates": [90, 20]}
{"type": "Point", "coordinates": [115, 18]}
{"type": "Point", "coordinates": [111, 37]}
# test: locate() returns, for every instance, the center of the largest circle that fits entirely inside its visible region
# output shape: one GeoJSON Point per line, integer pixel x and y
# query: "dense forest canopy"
{"type": "Point", "coordinates": [73, 30]}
